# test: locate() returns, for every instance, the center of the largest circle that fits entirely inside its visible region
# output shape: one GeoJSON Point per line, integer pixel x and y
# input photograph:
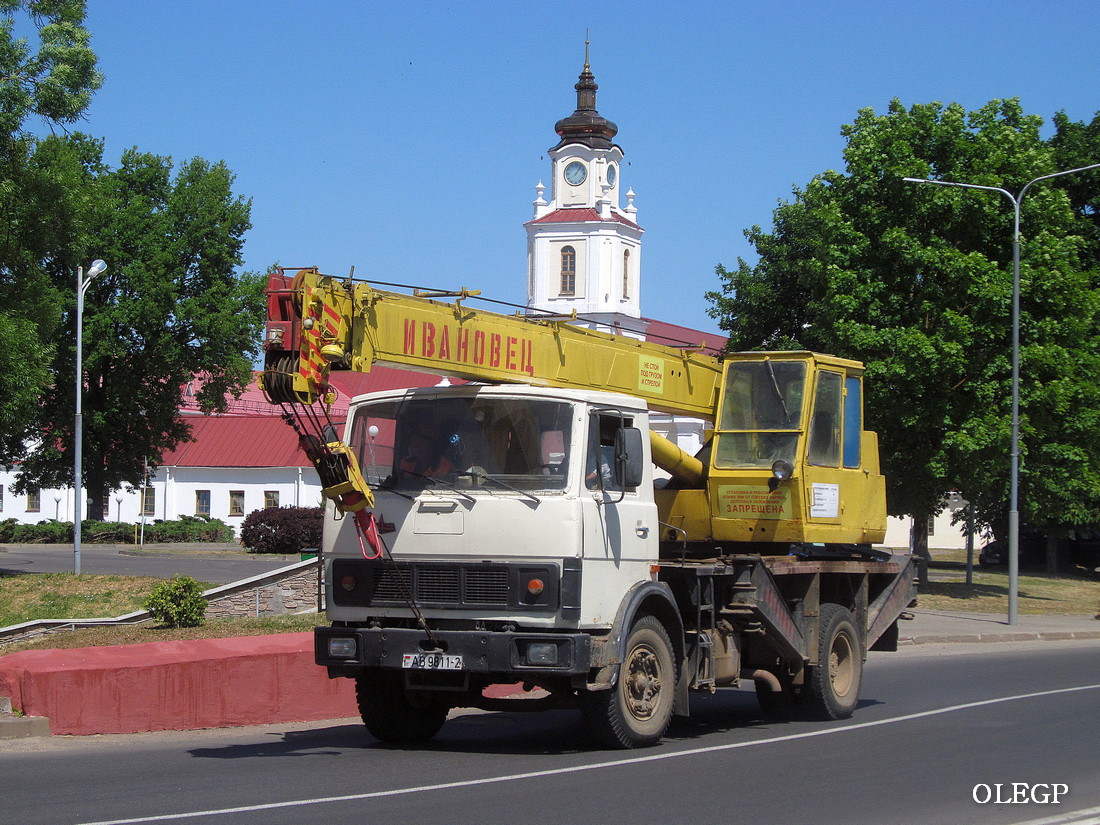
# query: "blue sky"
{"type": "Point", "coordinates": [406, 139]}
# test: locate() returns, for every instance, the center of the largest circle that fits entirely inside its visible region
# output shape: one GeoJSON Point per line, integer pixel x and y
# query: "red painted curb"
{"type": "Point", "coordinates": [209, 683]}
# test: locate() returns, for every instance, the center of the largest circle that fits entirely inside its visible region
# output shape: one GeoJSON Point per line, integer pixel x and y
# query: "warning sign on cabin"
{"type": "Point", "coordinates": [738, 501]}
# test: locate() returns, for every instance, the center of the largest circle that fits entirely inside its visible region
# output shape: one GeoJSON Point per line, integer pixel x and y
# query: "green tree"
{"type": "Point", "coordinates": [169, 312]}
{"type": "Point", "coordinates": [917, 281]}
{"type": "Point", "coordinates": [51, 85]}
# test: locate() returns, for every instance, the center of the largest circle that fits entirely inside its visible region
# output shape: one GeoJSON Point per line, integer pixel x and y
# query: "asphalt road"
{"type": "Point", "coordinates": [935, 724]}
{"type": "Point", "coordinates": [216, 566]}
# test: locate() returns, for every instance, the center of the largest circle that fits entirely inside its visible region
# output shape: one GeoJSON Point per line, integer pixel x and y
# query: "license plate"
{"type": "Point", "coordinates": [431, 661]}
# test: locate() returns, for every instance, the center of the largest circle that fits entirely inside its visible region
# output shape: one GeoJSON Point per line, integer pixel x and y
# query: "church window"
{"type": "Point", "coordinates": [568, 271]}
{"type": "Point", "coordinates": [626, 274]}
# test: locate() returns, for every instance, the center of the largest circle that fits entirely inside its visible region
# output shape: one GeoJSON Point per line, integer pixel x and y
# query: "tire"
{"type": "Point", "coordinates": [833, 684]}
{"type": "Point", "coordinates": [636, 712]}
{"type": "Point", "coordinates": [393, 714]}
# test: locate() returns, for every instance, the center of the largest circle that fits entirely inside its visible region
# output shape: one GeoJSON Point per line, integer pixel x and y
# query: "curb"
{"type": "Point", "coordinates": [23, 727]}
{"type": "Point", "coordinates": [20, 727]}
{"type": "Point", "coordinates": [965, 638]}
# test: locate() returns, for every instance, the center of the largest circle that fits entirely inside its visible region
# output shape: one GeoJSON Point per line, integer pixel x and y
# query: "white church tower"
{"type": "Point", "coordinates": [583, 248]}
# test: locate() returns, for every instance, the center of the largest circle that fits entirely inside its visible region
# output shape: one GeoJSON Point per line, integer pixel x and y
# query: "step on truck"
{"type": "Point", "coordinates": [533, 528]}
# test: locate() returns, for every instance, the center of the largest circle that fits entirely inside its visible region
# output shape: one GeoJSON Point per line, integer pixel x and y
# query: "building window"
{"type": "Point", "coordinates": [148, 501]}
{"type": "Point", "coordinates": [1, 498]}
{"type": "Point", "coordinates": [202, 503]}
{"type": "Point", "coordinates": [236, 502]}
{"type": "Point", "coordinates": [271, 499]}
{"type": "Point", "coordinates": [34, 500]}
{"type": "Point", "coordinates": [568, 270]}
{"type": "Point", "coordinates": [626, 274]}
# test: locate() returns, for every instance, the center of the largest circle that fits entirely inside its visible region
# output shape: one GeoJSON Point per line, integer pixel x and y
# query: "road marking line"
{"type": "Point", "coordinates": [1089, 816]}
{"type": "Point", "coordinates": [636, 760]}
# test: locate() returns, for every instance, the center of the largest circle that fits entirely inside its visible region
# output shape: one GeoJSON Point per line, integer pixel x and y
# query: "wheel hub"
{"type": "Point", "coordinates": [643, 683]}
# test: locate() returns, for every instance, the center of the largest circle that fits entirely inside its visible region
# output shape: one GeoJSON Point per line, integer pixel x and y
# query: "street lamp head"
{"type": "Point", "coordinates": [916, 180]}
{"type": "Point", "coordinates": [96, 268]}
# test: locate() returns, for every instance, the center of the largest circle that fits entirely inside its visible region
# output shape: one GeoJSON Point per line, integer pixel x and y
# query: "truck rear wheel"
{"type": "Point", "coordinates": [832, 686]}
{"type": "Point", "coordinates": [394, 714]}
{"type": "Point", "coordinates": [637, 710]}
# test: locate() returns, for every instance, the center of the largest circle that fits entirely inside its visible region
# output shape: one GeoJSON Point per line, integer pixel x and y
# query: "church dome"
{"type": "Point", "coordinates": [586, 126]}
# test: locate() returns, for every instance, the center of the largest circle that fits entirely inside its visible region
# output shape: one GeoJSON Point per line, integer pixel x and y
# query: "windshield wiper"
{"type": "Point", "coordinates": [389, 488]}
{"type": "Point", "coordinates": [778, 392]}
{"type": "Point", "coordinates": [440, 483]}
{"type": "Point", "coordinates": [483, 477]}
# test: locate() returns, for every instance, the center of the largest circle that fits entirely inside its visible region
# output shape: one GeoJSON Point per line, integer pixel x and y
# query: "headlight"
{"type": "Point", "coordinates": [341, 648]}
{"type": "Point", "coordinates": [542, 653]}
{"type": "Point", "coordinates": [782, 469]}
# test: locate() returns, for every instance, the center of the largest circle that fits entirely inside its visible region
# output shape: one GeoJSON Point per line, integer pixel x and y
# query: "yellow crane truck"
{"type": "Point", "coordinates": [530, 528]}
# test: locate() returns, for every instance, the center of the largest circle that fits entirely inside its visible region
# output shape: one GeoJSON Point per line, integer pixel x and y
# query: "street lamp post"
{"type": "Point", "coordinates": [1014, 479]}
{"type": "Point", "coordinates": [82, 283]}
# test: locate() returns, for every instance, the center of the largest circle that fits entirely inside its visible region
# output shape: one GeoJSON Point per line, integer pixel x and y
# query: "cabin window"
{"type": "Point", "coordinates": [853, 421]}
{"type": "Point", "coordinates": [761, 414]}
{"type": "Point", "coordinates": [825, 427]}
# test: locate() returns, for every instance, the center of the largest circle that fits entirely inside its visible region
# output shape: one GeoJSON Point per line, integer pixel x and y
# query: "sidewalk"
{"type": "Point", "coordinates": [939, 627]}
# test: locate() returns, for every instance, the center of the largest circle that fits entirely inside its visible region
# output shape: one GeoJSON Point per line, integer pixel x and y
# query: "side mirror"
{"type": "Point", "coordinates": [628, 458]}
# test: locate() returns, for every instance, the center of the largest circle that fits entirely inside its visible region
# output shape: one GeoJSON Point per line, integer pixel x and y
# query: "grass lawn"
{"type": "Point", "coordinates": [28, 596]}
{"type": "Point", "coordinates": [1037, 593]}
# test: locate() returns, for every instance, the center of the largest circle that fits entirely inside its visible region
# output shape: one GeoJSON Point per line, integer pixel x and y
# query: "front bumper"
{"type": "Point", "coordinates": [504, 653]}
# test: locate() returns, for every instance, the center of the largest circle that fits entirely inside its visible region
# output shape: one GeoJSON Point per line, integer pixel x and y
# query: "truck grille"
{"type": "Point", "coordinates": [430, 585]}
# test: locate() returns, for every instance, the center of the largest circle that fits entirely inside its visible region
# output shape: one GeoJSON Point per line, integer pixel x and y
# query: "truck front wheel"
{"type": "Point", "coordinates": [394, 714]}
{"type": "Point", "coordinates": [832, 687]}
{"type": "Point", "coordinates": [637, 710]}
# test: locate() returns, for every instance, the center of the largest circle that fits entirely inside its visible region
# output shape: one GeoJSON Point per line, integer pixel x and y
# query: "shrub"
{"type": "Point", "coordinates": [188, 528]}
{"type": "Point", "coordinates": [178, 603]}
{"type": "Point", "coordinates": [46, 532]}
{"type": "Point", "coordinates": [7, 530]}
{"type": "Point", "coordinates": [283, 529]}
{"type": "Point", "coordinates": [106, 532]}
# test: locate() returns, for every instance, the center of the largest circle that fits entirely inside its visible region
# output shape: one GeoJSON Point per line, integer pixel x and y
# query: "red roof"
{"type": "Point", "coordinates": [238, 441]}
{"type": "Point", "coordinates": [580, 214]}
{"type": "Point", "coordinates": [674, 335]}
{"type": "Point", "coordinates": [347, 386]}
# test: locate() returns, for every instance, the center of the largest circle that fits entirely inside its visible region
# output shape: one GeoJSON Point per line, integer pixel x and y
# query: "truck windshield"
{"type": "Point", "coordinates": [761, 413]}
{"type": "Point", "coordinates": [467, 443]}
